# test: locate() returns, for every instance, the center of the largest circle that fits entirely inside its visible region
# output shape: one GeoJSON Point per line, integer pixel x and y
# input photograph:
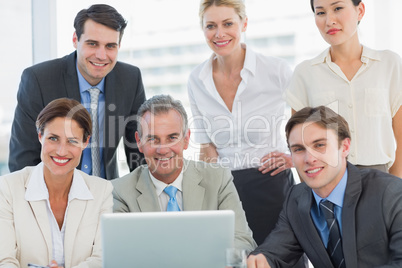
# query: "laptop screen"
{"type": "Point", "coordinates": [167, 239]}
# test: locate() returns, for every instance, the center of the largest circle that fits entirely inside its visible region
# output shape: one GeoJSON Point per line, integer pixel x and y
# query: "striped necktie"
{"type": "Point", "coordinates": [334, 247]}
{"type": "Point", "coordinates": [172, 204]}
{"type": "Point", "coordinates": [95, 153]}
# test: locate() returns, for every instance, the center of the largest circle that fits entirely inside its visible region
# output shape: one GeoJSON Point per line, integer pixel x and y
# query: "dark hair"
{"type": "Point", "coordinates": [160, 104]}
{"type": "Point", "coordinates": [103, 14]}
{"type": "Point", "coordinates": [324, 117]}
{"type": "Point", "coordinates": [65, 108]}
{"type": "Point", "coordinates": [355, 2]}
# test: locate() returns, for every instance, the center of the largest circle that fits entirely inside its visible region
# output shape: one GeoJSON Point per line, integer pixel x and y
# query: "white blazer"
{"type": "Point", "coordinates": [25, 231]}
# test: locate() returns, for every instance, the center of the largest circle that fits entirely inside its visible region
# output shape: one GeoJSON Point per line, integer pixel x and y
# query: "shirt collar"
{"type": "Point", "coordinates": [250, 63]}
{"type": "Point", "coordinates": [79, 189]}
{"type": "Point", "coordinates": [207, 68]}
{"type": "Point", "coordinates": [367, 55]}
{"type": "Point", "coordinates": [324, 56]}
{"type": "Point", "coordinates": [84, 85]}
{"type": "Point", "coordinates": [250, 60]}
{"type": "Point", "coordinates": [160, 186]}
{"type": "Point", "coordinates": [336, 196]}
{"type": "Point", "coordinates": [37, 189]}
{"type": "Point", "coordinates": [370, 54]}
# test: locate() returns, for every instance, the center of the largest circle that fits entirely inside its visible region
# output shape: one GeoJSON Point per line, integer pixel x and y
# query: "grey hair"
{"type": "Point", "coordinates": [160, 104]}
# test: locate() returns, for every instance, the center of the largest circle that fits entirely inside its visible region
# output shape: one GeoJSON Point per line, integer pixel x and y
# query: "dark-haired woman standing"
{"type": "Point", "coordinates": [361, 84]}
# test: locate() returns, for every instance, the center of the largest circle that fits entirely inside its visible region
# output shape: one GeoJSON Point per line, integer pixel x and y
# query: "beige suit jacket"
{"type": "Point", "coordinates": [205, 187]}
{"type": "Point", "coordinates": [25, 230]}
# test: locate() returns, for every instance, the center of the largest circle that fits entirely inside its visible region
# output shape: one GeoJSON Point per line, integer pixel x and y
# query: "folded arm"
{"type": "Point", "coordinates": [396, 168]}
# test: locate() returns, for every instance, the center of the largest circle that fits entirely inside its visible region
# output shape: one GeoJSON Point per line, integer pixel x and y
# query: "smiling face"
{"type": "Point", "coordinates": [337, 20]}
{"type": "Point", "coordinates": [318, 156]}
{"type": "Point", "coordinates": [162, 144]}
{"type": "Point", "coordinates": [62, 146]}
{"type": "Point", "coordinates": [97, 51]}
{"type": "Point", "coordinates": [222, 28]}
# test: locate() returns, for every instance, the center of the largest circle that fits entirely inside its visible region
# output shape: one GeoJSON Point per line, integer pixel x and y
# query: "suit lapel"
{"type": "Point", "coordinates": [112, 91]}
{"type": "Point", "coordinates": [304, 208]}
{"type": "Point", "coordinates": [75, 212]}
{"type": "Point", "coordinates": [147, 201]}
{"type": "Point", "coordinates": [193, 193]}
{"type": "Point", "coordinates": [39, 209]}
{"type": "Point", "coordinates": [71, 78]}
{"type": "Point", "coordinates": [352, 194]}
{"type": "Point", "coordinates": [71, 85]}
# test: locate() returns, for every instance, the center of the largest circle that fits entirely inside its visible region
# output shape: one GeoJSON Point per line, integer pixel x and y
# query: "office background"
{"type": "Point", "coordinates": [164, 39]}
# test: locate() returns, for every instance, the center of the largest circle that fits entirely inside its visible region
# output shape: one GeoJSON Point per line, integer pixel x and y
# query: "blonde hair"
{"type": "Point", "coordinates": [238, 6]}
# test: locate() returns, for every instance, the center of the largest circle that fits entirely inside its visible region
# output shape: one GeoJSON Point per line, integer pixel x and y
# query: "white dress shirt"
{"type": "Point", "coordinates": [368, 102]}
{"type": "Point", "coordinates": [254, 126]}
{"type": "Point", "coordinates": [164, 197]}
{"type": "Point", "coordinates": [37, 190]}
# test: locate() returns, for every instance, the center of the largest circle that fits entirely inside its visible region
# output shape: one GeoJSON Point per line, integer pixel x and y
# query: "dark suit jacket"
{"type": "Point", "coordinates": [371, 224]}
{"type": "Point", "coordinates": [44, 82]}
{"type": "Point", "coordinates": [205, 187]}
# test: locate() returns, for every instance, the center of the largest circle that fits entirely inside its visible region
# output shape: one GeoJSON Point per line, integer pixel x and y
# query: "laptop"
{"type": "Point", "coordinates": [167, 239]}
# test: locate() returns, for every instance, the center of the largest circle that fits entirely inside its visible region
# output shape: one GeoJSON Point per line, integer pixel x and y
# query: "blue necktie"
{"type": "Point", "coordinates": [334, 247]}
{"type": "Point", "coordinates": [95, 152]}
{"type": "Point", "coordinates": [172, 205]}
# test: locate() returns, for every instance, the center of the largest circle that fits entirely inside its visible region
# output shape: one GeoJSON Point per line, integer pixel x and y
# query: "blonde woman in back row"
{"type": "Point", "coordinates": [361, 84]}
{"type": "Point", "coordinates": [237, 106]}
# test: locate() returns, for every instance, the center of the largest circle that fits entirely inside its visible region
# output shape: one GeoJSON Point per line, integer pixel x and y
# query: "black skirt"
{"type": "Point", "coordinates": [262, 197]}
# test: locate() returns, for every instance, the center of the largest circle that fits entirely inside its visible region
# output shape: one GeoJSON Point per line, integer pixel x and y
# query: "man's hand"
{"type": "Point", "coordinates": [275, 160]}
{"type": "Point", "coordinates": [257, 261]}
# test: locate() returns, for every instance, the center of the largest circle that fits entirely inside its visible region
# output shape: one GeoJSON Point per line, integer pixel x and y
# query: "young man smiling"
{"type": "Point", "coordinates": [364, 225]}
{"type": "Point", "coordinates": [97, 38]}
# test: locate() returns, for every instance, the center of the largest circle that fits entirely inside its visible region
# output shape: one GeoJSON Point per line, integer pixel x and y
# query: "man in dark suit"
{"type": "Point", "coordinates": [340, 216]}
{"type": "Point", "coordinates": [97, 37]}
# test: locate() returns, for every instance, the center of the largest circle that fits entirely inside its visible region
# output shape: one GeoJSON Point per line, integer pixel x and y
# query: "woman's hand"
{"type": "Point", "coordinates": [208, 153]}
{"type": "Point", "coordinates": [275, 160]}
{"type": "Point", "coordinates": [53, 264]}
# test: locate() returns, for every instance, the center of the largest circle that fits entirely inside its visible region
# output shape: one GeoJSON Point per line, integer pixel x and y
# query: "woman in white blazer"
{"type": "Point", "coordinates": [50, 213]}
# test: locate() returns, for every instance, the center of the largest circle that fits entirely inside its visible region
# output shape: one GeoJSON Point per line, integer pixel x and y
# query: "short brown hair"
{"type": "Point", "coordinates": [103, 14]}
{"type": "Point", "coordinates": [65, 108]}
{"type": "Point", "coordinates": [324, 117]}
